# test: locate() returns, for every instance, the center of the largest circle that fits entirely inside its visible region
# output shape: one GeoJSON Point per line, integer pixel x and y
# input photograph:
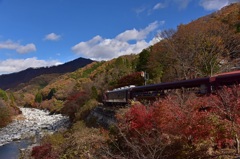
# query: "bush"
{"type": "Point", "coordinates": [85, 110]}
{"type": "Point", "coordinates": [38, 97]}
{"type": "Point", "coordinates": [74, 103]}
{"type": "Point", "coordinates": [180, 126]}
{"type": "Point", "coordinates": [5, 116]}
{"type": "Point", "coordinates": [44, 152]}
{"type": "Point", "coordinates": [78, 142]}
{"type": "Point", "coordinates": [3, 95]}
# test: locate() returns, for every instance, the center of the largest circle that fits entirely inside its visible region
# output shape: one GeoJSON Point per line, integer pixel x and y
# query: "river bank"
{"type": "Point", "coordinates": [32, 124]}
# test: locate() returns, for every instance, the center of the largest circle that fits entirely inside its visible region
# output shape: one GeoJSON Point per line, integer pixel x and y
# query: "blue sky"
{"type": "Point", "coordinates": [35, 33]}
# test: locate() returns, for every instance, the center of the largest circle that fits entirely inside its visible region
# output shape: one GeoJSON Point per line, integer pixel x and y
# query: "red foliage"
{"type": "Point", "coordinates": [44, 152]}
{"type": "Point", "coordinates": [196, 120]}
{"type": "Point", "coordinates": [182, 124]}
{"type": "Point", "coordinates": [132, 79]}
{"type": "Point", "coordinates": [227, 103]}
{"type": "Point", "coordinates": [200, 127]}
{"type": "Point", "coordinates": [75, 96]}
{"type": "Point", "coordinates": [74, 102]}
{"type": "Point", "coordinates": [169, 117]}
{"type": "Point", "coordinates": [140, 118]}
{"type": "Point", "coordinates": [212, 118]}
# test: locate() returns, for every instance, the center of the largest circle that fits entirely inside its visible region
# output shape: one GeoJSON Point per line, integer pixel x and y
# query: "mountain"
{"type": "Point", "coordinates": [14, 79]}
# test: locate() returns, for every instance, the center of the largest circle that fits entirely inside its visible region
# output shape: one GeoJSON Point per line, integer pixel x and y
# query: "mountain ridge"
{"type": "Point", "coordinates": [14, 79]}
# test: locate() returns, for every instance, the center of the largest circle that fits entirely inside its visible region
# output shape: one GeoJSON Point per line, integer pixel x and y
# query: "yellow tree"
{"type": "Point", "coordinates": [200, 48]}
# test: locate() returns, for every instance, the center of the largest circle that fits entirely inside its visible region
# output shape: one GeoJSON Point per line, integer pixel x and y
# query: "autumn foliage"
{"type": "Point", "coordinates": [140, 118]}
{"type": "Point", "coordinates": [131, 79]}
{"type": "Point", "coordinates": [5, 116]}
{"type": "Point", "coordinates": [73, 104]}
{"type": "Point", "coordinates": [44, 152]}
{"type": "Point", "coordinates": [189, 124]}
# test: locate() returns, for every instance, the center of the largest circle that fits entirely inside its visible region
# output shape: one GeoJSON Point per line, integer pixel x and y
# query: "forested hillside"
{"type": "Point", "coordinates": [201, 48]}
{"type": "Point", "coordinates": [169, 128]}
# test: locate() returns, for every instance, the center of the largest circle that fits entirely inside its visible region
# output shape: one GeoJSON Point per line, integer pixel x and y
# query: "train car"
{"type": "Point", "coordinates": [122, 96]}
{"type": "Point", "coordinates": [119, 96]}
{"type": "Point", "coordinates": [202, 86]}
{"type": "Point", "coordinates": [225, 79]}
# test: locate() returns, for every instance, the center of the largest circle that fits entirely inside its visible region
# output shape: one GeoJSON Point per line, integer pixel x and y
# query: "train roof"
{"type": "Point", "coordinates": [232, 77]}
{"type": "Point", "coordinates": [228, 73]}
{"type": "Point", "coordinates": [226, 78]}
{"type": "Point", "coordinates": [173, 85]}
{"type": "Point", "coordinates": [122, 89]}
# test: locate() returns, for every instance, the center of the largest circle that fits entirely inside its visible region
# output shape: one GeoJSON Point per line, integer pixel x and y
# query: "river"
{"type": "Point", "coordinates": [32, 124]}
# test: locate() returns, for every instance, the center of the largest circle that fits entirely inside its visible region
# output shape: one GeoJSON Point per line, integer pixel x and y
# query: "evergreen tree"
{"type": "Point", "coordinates": [143, 60]}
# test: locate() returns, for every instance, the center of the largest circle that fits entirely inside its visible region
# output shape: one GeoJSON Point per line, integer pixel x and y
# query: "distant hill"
{"type": "Point", "coordinates": [14, 79]}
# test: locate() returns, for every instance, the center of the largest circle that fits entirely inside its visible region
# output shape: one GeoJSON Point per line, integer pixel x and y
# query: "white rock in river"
{"type": "Point", "coordinates": [35, 120]}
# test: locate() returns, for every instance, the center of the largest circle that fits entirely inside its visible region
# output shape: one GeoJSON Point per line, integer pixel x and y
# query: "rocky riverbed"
{"type": "Point", "coordinates": [32, 123]}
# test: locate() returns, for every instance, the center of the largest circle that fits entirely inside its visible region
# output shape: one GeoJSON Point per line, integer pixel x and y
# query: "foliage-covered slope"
{"type": "Point", "coordinates": [204, 47]}
{"type": "Point", "coordinates": [55, 92]}
{"type": "Point", "coordinates": [7, 108]}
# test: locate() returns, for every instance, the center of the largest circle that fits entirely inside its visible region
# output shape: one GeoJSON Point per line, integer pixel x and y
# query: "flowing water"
{"type": "Point", "coordinates": [12, 149]}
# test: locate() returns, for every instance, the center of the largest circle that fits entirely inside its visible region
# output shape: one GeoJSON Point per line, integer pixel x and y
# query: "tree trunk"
{"type": "Point", "coordinates": [237, 142]}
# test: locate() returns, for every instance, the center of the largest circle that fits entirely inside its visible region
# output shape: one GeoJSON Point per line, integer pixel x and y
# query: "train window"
{"type": "Point", "coordinates": [203, 89]}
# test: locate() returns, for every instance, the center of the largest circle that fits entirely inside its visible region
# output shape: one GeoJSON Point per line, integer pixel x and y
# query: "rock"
{"type": "Point", "coordinates": [34, 122]}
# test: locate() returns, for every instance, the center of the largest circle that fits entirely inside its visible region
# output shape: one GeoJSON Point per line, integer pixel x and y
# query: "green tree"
{"type": "Point", "coordinates": [143, 60]}
{"type": "Point", "coordinates": [38, 97]}
{"type": "Point", "coordinates": [3, 95]}
{"type": "Point", "coordinates": [51, 93]}
{"type": "Point", "coordinates": [94, 93]}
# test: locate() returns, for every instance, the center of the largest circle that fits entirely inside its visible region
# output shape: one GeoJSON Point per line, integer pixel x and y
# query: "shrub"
{"type": "Point", "coordinates": [183, 126]}
{"type": "Point", "coordinates": [85, 110]}
{"type": "Point", "coordinates": [140, 118]}
{"type": "Point", "coordinates": [38, 97]}
{"type": "Point", "coordinates": [73, 104]}
{"type": "Point", "coordinates": [5, 116]}
{"type": "Point", "coordinates": [44, 152]}
{"type": "Point", "coordinates": [51, 93]}
{"type": "Point", "coordinates": [3, 95]}
{"type": "Point", "coordinates": [136, 135]}
{"type": "Point", "coordinates": [78, 142]}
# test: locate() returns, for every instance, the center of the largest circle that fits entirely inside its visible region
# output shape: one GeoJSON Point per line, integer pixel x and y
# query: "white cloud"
{"type": "Point", "coordinates": [140, 10]}
{"type": "Point", "coordinates": [137, 35]}
{"type": "Point", "coordinates": [52, 37]}
{"type": "Point", "coordinates": [158, 6]}
{"type": "Point", "coordinates": [22, 49]}
{"type": "Point", "coordinates": [155, 40]}
{"type": "Point", "coordinates": [215, 4]}
{"type": "Point", "coordinates": [15, 65]}
{"type": "Point", "coordinates": [27, 48]}
{"type": "Point", "coordinates": [182, 4]}
{"type": "Point", "coordinates": [99, 48]}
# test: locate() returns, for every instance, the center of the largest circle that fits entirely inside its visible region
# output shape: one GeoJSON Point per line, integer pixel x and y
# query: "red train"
{"type": "Point", "coordinates": [204, 85]}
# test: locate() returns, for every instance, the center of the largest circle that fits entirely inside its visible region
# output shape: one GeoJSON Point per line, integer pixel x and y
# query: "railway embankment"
{"type": "Point", "coordinates": [102, 116]}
